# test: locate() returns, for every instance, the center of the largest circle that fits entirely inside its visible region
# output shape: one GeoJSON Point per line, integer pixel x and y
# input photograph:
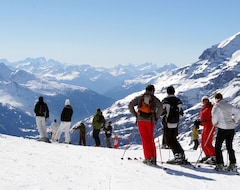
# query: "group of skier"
{"type": "Point", "coordinates": [222, 115]}
{"type": "Point", "coordinates": [42, 113]}
{"type": "Point", "coordinates": [99, 123]}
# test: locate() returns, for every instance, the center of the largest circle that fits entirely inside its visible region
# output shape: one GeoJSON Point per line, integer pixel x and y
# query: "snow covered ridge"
{"type": "Point", "coordinates": [224, 49]}
{"type": "Point", "coordinates": [28, 164]}
{"type": "Point", "coordinates": [219, 73]}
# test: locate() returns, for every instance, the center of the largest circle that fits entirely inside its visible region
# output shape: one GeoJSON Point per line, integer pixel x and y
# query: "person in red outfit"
{"type": "Point", "coordinates": [208, 131]}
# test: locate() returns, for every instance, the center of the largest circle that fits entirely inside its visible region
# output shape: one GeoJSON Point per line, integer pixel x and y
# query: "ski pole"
{"type": "Point", "coordinates": [204, 145]}
{"type": "Point", "coordinates": [160, 152]}
{"type": "Point", "coordinates": [129, 138]}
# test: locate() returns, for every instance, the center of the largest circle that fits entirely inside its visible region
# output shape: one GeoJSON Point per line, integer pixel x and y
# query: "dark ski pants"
{"type": "Point", "coordinates": [170, 136]}
{"type": "Point", "coordinates": [96, 136]}
{"type": "Point", "coordinates": [196, 143]}
{"type": "Point", "coordinates": [226, 135]}
{"type": "Point", "coordinates": [82, 139]}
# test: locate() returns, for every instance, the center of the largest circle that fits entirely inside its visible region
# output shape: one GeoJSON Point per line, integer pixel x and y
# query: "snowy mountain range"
{"type": "Point", "coordinates": [21, 83]}
{"type": "Point", "coordinates": [216, 70]}
{"type": "Point", "coordinates": [111, 82]}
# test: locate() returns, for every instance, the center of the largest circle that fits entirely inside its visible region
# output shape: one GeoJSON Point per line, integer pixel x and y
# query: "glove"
{"type": "Point", "coordinates": [197, 123]}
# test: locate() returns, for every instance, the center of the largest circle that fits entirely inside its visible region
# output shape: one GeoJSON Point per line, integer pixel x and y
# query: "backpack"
{"type": "Point", "coordinates": [42, 110]}
{"type": "Point", "coordinates": [101, 119]}
{"type": "Point", "coordinates": [173, 116]}
{"type": "Point", "coordinates": [146, 107]}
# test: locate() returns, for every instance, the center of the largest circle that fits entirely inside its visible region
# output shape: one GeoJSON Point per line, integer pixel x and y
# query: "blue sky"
{"type": "Point", "coordinates": [111, 32]}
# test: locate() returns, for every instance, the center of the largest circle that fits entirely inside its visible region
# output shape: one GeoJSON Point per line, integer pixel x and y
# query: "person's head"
{"type": "Point", "coordinates": [67, 102]}
{"type": "Point", "coordinates": [55, 120]}
{"type": "Point", "coordinates": [170, 90]}
{"type": "Point", "coordinates": [98, 110]}
{"type": "Point", "coordinates": [218, 97]}
{"type": "Point", "coordinates": [109, 123]}
{"type": "Point", "coordinates": [150, 88]}
{"type": "Point", "coordinates": [40, 99]}
{"type": "Point", "coordinates": [205, 100]}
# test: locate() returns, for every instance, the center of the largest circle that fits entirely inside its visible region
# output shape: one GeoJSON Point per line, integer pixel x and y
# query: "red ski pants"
{"type": "Point", "coordinates": [207, 140]}
{"type": "Point", "coordinates": [146, 131]}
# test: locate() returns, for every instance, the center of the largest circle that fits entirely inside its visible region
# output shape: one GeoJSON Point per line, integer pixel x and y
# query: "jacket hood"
{"type": "Point", "coordinates": [67, 102]}
{"type": "Point", "coordinates": [40, 99]}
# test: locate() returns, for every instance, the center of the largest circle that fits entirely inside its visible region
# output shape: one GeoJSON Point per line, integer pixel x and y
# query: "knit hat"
{"type": "Point", "coordinates": [204, 98]}
{"type": "Point", "coordinates": [170, 90]}
{"type": "Point", "coordinates": [40, 99]}
{"type": "Point", "coordinates": [218, 96]}
{"type": "Point", "coordinates": [150, 88]}
{"type": "Point", "coordinates": [67, 102]}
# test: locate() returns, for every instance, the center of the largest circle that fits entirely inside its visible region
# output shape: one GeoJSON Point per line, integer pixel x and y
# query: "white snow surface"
{"type": "Point", "coordinates": [28, 164]}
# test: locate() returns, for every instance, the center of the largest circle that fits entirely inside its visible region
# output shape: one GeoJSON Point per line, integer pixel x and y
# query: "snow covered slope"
{"type": "Point", "coordinates": [28, 164]}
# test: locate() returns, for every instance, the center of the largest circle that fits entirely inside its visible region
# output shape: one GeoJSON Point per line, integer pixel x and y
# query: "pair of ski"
{"type": "Point", "coordinates": [152, 165]}
{"type": "Point", "coordinates": [224, 171]}
{"type": "Point", "coordinates": [195, 165]}
{"type": "Point", "coordinates": [186, 164]}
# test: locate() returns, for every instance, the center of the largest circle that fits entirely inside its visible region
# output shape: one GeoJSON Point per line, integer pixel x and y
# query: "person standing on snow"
{"type": "Point", "coordinates": [208, 132]}
{"type": "Point", "coordinates": [53, 129]}
{"type": "Point", "coordinates": [195, 136]}
{"type": "Point", "coordinates": [98, 123]}
{"type": "Point", "coordinates": [108, 134]}
{"type": "Point", "coordinates": [172, 111]}
{"type": "Point", "coordinates": [82, 129]}
{"type": "Point", "coordinates": [149, 110]}
{"type": "Point", "coordinates": [225, 117]}
{"type": "Point", "coordinates": [65, 124]}
{"type": "Point", "coordinates": [42, 113]}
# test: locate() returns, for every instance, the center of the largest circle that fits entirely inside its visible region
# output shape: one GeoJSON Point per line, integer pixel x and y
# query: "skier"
{"type": "Point", "coordinates": [98, 123]}
{"type": "Point", "coordinates": [65, 124]}
{"type": "Point", "coordinates": [208, 132]}
{"type": "Point", "coordinates": [195, 136]}
{"type": "Point", "coordinates": [172, 111]}
{"type": "Point", "coordinates": [82, 138]}
{"type": "Point", "coordinates": [149, 110]}
{"type": "Point", "coordinates": [115, 141]}
{"type": "Point", "coordinates": [224, 117]}
{"type": "Point", "coordinates": [108, 134]}
{"type": "Point", "coordinates": [53, 129]}
{"type": "Point", "coordinates": [42, 113]}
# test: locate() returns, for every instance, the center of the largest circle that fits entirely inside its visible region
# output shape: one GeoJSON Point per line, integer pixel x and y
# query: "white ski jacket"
{"type": "Point", "coordinates": [225, 115]}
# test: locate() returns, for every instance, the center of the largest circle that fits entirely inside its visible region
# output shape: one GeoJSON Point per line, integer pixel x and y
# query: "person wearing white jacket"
{"type": "Point", "coordinates": [53, 129]}
{"type": "Point", "coordinates": [225, 117]}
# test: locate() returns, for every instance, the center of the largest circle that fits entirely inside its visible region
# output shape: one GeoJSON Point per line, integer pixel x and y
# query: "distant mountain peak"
{"type": "Point", "coordinates": [232, 41]}
{"type": "Point", "coordinates": [222, 51]}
